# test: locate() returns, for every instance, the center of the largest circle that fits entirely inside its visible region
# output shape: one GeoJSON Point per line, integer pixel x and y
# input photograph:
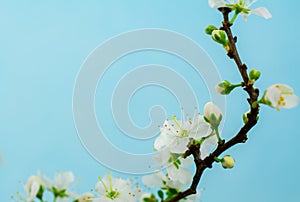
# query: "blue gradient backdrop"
{"type": "Point", "coordinates": [44, 43]}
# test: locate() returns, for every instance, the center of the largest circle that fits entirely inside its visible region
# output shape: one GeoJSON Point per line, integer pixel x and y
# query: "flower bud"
{"type": "Point", "coordinates": [219, 36]}
{"type": "Point", "coordinates": [209, 29]}
{"type": "Point", "coordinates": [227, 162]}
{"type": "Point", "coordinates": [224, 88]}
{"type": "Point", "coordinates": [212, 114]}
{"type": "Point", "coordinates": [245, 117]}
{"type": "Point", "coordinates": [254, 74]}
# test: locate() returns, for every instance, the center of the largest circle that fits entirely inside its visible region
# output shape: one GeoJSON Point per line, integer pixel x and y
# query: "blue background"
{"type": "Point", "coordinates": [44, 43]}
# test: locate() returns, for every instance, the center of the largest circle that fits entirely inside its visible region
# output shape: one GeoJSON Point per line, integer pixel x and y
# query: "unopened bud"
{"type": "Point", "coordinates": [219, 36]}
{"type": "Point", "coordinates": [209, 29]}
{"type": "Point", "coordinates": [245, 117]}
{"type": "Point", "coordinates": [254, 74]}
{"type": "Point", "coordinates": [227, 162]}
{"type": "Point", "coordinates": [224, 88]}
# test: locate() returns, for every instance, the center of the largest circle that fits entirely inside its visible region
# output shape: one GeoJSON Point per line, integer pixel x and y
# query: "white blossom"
{"type": "Point", "coordinates": [116, 190]}
{"type": "Point", "coordinates": [280, 95]}
{"type": "Point", "coordinates": [86, 197]}
{"type": "Point", "coordinates": [159, 179]}
{"type": "Point", "coordinates": [179, 172]}
{"type": "Point", "coordinates": [32, 187]}
{"type": "Point", "coordinates": [176, 134]}
{"type": "Point", "coordinates": [242, 6]}
{"type": "Point", "coordinates": [62, 180]}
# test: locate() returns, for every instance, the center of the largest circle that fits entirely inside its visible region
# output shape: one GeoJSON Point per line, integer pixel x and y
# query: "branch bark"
{"type": "Point", "coordinates": [241, 136]}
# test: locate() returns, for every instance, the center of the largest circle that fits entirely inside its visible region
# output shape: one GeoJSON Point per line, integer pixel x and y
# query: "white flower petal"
{"type": "Point", "coordinates": [217, 3]}
{"type": "Point", "coordinates": [262, 11]}
{"type": "Point", "coordinates": [65, 199]}
{"type": "Point", "coordinates": [281, 95]}
{"type": "Point", "coordinates": [154, 180]}
{"type": "Point", "coordinates": [183, 175]}
{"type": "Point", "coordinates": [162, 157]}
{"type": "Point", "coordinates": [193, 198]}
{"type": "Point", "coordinates": [187, 161]}
{"type": "Point", "coordinates": [179, 145]}
{"type": "Point", "coordinates": [161, 141]}
{"type": "Point", "coordinates": [61, 181]}
{"type": "Point", "coordinates": [291, 101]}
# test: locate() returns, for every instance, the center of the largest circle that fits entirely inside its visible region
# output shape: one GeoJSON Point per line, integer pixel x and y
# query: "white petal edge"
{"type": "Point", "coordinates": [217, 3]}
{"type": "Point", "coordinates": [291, 101]}
{"type": "Point", "coordinates": [262, 11]}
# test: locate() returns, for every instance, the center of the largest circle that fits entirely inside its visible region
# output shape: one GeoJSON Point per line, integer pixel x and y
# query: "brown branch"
{"type": "Point", "coordinates": [241, 136]}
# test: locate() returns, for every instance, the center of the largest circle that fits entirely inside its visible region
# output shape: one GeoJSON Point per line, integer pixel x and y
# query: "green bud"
{"type": "Point", "coordinates": [245, 117]}
{"type": "Point", "coordinates": [254, 74]}
{"type": "Point", "coordinates": [219, 36]}
{"type": "Point", "coordinates": [209, 29]}
{"type": "Point", "coordinates": [224, 88]}
{"type": "Point", "coordinates": [227, 162]}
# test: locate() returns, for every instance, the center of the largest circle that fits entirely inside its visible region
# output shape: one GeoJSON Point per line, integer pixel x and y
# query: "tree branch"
{"type": "Point", "coordinates": [241, 136]}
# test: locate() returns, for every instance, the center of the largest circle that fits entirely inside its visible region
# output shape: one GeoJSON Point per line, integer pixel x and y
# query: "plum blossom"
{"type": "Point", "coordinates": [178, 171]}
{"type": "Point", "coordinates": [241, 6]}
{"type": "Point", "coordinates": [280, 95]}
{"type": "Point", "coordinates": [116, 190]}
{"type": "Point", "coordinates": [86, 197]}
{"type": "Point", "coordinates": [62, 180]}
{"type": "Point", "coordinates": [33, 186]}
{"type": "Point", "coordinates": [59, 186]}
{"type": "Point", "coordinates": [159, 179]}
{"type": "Point", "coordinates": [175, 135]}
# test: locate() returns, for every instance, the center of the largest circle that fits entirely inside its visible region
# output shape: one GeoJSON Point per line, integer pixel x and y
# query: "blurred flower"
{"type": "Point", "coordinates": [164, 181]}
{"type": "Point", "coordinates": [34, 188]}
{"type": "Point", "coordinates": [148, 198]}
{"type": "Point", "coordinates": [62, 180]}
{"type": "Point", "coordinates": [59, 185]}
{"type": "Point", "coordinates": [177, 171]}
{"type": "Point", "coordinates": [280, 95]}
{"type": "Point", "coordinates": [159, 179]}
{"type": "Point", "coordinates": [116, 190]}
{"type": "Point", "coordinates": [86, 197]}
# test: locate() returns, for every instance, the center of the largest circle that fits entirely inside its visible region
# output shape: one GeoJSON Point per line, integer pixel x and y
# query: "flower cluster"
{"type": "Point", "coordinates": [107, 189]}
{"type": "Point", "coordinates": [176, 135]}
{"type": "Point", "coordinates": [178, 138]}
{"type": "Point", "coordinates": [38, 185]}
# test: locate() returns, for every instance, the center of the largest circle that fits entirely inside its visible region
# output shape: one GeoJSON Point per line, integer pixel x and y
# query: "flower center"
{"type": "Point", "coordinates": [112, 194]}
{"type": "Point", "coordinates": [281, 102]}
